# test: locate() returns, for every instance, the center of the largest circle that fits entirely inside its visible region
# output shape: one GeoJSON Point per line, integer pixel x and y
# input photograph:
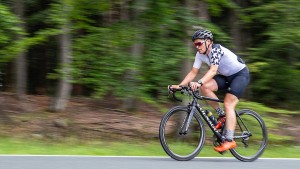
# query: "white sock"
{"type": "Point", "coordinates": [229, 135]}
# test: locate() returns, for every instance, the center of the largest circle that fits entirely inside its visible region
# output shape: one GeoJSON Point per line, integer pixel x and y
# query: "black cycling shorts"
{"type": "Point", "coordinates": [235, 84]}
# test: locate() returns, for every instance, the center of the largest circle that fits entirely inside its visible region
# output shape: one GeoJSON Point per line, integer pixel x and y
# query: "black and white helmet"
{"type": "Point", "coordinates": [203, 34]}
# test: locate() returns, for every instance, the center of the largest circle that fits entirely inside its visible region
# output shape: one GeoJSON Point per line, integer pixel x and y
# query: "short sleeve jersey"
{"type": "Point", "coordinates": [227, 62]}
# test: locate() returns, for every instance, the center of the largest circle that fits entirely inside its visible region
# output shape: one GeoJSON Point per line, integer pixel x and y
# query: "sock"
{"type": "Point", "coordinates": [229, 135]}
{"type": "Point", "coordinates": [220, 112]}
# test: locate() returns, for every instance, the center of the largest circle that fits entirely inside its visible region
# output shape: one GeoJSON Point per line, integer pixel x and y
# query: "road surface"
{"type": "Point", "coordinates": [98, 162]}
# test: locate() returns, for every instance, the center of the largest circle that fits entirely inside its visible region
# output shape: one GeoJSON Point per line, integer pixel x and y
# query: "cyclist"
{"type": "Point", "coordinates": [226, 71]}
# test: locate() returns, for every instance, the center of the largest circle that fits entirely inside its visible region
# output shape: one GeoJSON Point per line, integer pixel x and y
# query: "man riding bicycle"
{"type": "Point", "coordinates": [226, 71]}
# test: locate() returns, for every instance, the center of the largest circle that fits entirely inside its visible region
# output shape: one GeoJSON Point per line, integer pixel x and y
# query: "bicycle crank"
{"type": "Point", "coordinates": [216, 143]}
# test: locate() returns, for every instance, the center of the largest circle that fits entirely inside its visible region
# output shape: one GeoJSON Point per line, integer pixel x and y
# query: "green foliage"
{"type": "Point", "coordinates": [102, 55]}
{"type": "Point", "coordinates": [99, 61]}
{"type": "Point", "coordinates": [104, 34]}
{"type": "Point", "coordinates": [275, 56]}
{"type": "Point", "coordinates": [217, 6]}
{"type": "Point", "coordinates": [9, 30]}
{"type": "Point", "coordinates": [165, 45]}
{"type": "Point", "coordinates": [164, 41]}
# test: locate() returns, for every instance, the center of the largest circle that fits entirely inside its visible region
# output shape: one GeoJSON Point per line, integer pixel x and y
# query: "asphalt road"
{"type": "Point", "coordinates": [91, 162]}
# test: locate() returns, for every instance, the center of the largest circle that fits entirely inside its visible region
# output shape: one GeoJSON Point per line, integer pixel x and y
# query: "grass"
{"type": "Point", "coordinates": [262, 109]}
{"type": "Point", "coordinates": [10, 145]}
{"type": "Point", "coordinates": [152, 148]}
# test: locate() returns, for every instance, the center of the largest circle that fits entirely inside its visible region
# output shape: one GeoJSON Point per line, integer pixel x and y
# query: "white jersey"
{"type": "Point", "coordinates": [228, 63]}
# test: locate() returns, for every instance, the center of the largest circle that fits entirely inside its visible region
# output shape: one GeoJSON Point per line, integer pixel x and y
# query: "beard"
{"type": "Point", "coordinates": [202, 52]}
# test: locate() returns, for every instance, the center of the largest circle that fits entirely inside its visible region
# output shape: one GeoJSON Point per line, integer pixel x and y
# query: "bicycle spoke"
{"type": "Point", "coordinates": [250, 145]}
{"type": "Point", "coordinates": [181, 146]}
{"type": "Point", "coordinates": [178, 143]}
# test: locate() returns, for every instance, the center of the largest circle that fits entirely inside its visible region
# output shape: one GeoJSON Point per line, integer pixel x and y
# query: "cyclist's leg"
{"type": "Point", "coordinates": [237, 87]}
{"type": "Point", "coordinates": [238, 84]}
{"type": "Point", "coordinates": [230, 103]}
{"type": "Point", "coordinates": [208, 89]}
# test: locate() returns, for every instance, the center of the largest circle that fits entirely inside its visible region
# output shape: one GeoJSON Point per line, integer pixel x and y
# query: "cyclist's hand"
{"type": "Point", "coordinates": [194, 85]}
{"type": "Point", "coordinates": [174, 87]}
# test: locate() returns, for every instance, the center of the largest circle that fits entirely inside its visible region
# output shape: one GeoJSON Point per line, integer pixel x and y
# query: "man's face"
{"type": "Point", "coordinates": [200, 45]}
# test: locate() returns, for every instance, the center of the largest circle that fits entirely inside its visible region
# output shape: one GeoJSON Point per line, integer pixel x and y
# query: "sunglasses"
{"type": "Point", "coordinates": [199, 43]}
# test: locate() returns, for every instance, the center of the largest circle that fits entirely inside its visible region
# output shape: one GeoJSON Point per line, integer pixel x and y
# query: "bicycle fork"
{"type": "Point", "coordinates": [187, 121]}
{"type": "Point", "coordinates": [188, 118]}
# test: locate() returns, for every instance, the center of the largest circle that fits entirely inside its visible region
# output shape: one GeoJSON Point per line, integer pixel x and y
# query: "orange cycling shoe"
{"type": "Point", "coordinates": [221, 121]}
{"type": "Point", "coordinates": [226, 146]}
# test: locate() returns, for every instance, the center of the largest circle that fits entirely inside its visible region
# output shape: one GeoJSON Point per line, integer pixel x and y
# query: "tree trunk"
{"type": "Point", "coordinates": [64, 87]}
{"type": "Point", "coordinates": [124, 11]}
{"type": "Point", "coordinates": [20, 61]}
{"type": "Point", "coordinates": [204, 15]}
{"type": "Point", "coordinates": [129, 102]}
{"type": "Point", "coordinates": [241, 39]}
{"type": "Point", "coordinates": [235, 31]}
{"type": "Point", "coordinates": [186, 62]}
{"type": "Point", "coordinates": [203, 10]}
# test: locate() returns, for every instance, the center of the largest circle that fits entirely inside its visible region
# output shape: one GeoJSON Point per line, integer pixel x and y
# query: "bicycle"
{"type": "Point", "coordinates": [182, 131]}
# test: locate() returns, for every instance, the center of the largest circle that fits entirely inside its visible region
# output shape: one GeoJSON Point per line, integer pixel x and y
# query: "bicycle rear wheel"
{"type": "Point", "coordinates": [182, 147]}
{"type": "Point", "coordinates": [250, 135]}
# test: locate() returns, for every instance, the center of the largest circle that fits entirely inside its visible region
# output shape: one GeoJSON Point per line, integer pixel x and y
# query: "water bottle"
{"type": "Point", "coordinates": [211, 117]}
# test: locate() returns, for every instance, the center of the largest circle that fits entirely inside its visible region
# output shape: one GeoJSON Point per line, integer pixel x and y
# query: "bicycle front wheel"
{"type": "Point", "coordinates": [250, 135]}
{"type": "Point", "coordinates": [181, 146]}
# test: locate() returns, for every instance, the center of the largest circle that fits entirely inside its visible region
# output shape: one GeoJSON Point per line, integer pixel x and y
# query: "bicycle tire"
{"type": "Point", "coordinates": [256, 143]}
{"type": "Point", "coordinates": [175, 144]}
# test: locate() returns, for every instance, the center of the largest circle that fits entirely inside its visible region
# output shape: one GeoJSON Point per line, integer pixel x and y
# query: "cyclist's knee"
{"type": "Point", "coordinates": [230, 102]}
{"type": "Point", "coordinates": [205, 88]}
{"type": "Point", "coordinates": [208, 87]}
{"type": "Point", "coordinates": [229, 105]}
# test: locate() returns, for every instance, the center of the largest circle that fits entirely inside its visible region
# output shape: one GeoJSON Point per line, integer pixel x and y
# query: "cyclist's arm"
{"type": "Point", "coordinates": [213, 70]}
{"type": "Point", "coordinates": [190, 76]}
{"type": "Point", "coordinates": [217, 54]}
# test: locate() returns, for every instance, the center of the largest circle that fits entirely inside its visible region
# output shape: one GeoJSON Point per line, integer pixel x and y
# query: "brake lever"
{"type": "Point", "coordinates": [173, 94]}
{"type": "Point", "coordinates": [170, 93]}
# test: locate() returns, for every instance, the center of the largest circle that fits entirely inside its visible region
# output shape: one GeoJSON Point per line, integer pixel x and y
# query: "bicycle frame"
{"type": "Point", "coordinates": [186, 115]}
{"type": "Point", "coordinates": [192, 109]}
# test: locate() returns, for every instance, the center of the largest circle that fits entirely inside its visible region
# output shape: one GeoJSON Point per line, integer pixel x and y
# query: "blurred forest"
{"type": "Point", "coordinates": [133, 49]}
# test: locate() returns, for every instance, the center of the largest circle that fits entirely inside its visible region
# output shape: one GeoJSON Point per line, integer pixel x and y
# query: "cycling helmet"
{"type": "Point", "coordinates": [202, 34]}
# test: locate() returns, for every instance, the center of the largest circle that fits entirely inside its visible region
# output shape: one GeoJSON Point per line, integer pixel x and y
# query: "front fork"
{"type": "Point", "coordinates": [187, 120]}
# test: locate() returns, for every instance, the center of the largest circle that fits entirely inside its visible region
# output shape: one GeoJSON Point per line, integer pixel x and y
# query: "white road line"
{"type": "Point", "coordinates": [91, 156]}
